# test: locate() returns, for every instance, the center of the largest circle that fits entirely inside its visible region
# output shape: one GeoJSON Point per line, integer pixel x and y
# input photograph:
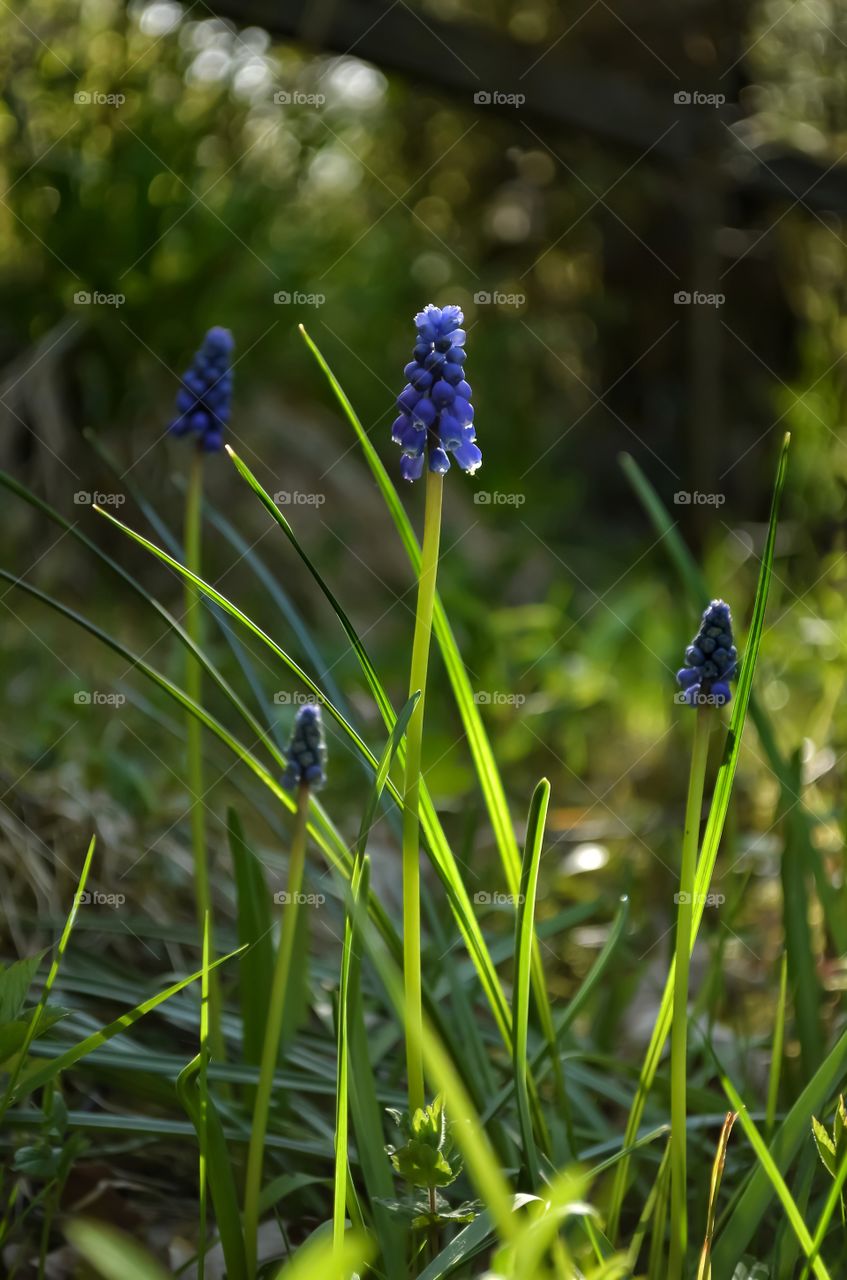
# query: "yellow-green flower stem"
{"type": "Point", "coordinates": [679, 1028]}
{"type": "Point", "coordinates": [411, 793]}
{"type": "Point", "coordinates": [273, 1030]}
{"type": "Point", "coordinates": [194, 738]}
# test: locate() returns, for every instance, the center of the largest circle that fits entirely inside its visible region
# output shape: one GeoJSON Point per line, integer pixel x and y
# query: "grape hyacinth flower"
{"type": "Point", "coordinates": [306, 752]}
{"type": "Point", "coordinates": [203, 401]}
{"type": "Point", "coordinates": [436, 414]}
{"type": "Point", "coordinates": [711, 660]}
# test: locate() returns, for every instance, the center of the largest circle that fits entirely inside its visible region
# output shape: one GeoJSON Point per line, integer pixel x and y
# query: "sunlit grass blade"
{"type": "Point", "coordinates": [524, 926]}
{"type": "Point", "coordinates": [704, 1269]}
{"type": "Point", "coordinates": [317, 1260]}
{"type": "Point", "coordinates": [483, 756]}
{"type": "Point", "coordinates": [35, 1018]}
{"type": "Point", "coordinates": [695, 586]}
{"type": "Point", "coordinates": [712, 834]}
{"type": "Point", "coordinates": [752, 1204]}
{"type": "Point", "coordinates": [44, 1074]}
{"type": "Point", "coordinates": [649, 1211]}
{"type": "Point", "coordinates": [113, 1254]}
{"type": "Point", "coordinates": [770, 1169]}
{"type": "Point", "coordinates": [442, 856]}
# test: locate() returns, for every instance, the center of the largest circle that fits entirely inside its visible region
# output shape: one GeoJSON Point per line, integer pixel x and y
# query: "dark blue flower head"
{"type": "Point", "coordinates": [436, 414]}
{"type": "Point", "coordinates": [711, 660]}
{"type": "Point", "coordinates": [203, 400]}
{"type": "Point", "coordinates": [306, 752]}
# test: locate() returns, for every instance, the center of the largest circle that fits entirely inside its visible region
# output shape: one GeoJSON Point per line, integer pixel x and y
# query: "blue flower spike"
{"type": "Point", "coordinates": [306, 752]}
{"type": "Point", "coordinates": [436, 414]}
{"type": "Point", "coordinates": [712, 660]}
{"type": "Point", "coordinates": [203, 400]}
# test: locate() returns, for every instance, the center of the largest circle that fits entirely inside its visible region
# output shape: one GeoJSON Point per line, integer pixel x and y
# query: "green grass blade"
{"type": "Point", "coordinates": [694, 584]}
{"type": "Point", "coordinates": [358, 889]}
{"type": "Point", "coordinates": [771, 1171]}
{"type": "Point", "coordinates": [114, 1255]}
{"type": "Point", "coordinates": [43, 1075]}
{"type": "Point", "coordinates": [32, 1026]}
{"type": "Point", "coordinates": [218, 1167]}
{"type": "Point", "coordinates": [315, 1260]}
{"type": "Point", "coordinates": [802, 970]}
{"type": "Point", "coordinates": [524, 932]}
{"type": "Point", "coordinates": [751, 1206]}
{"type": "Point", "coordinates": [483, 757]}
{"type": "Point", "coordinates": [261, 732]}
{"type": "Point", "coordinates": [254, 924]}
{"type": "Point", "coordinates": [712, 835]}
{"type": "Point", "coordinates": [775, 1071]}
{"type": "Point", "coordinates": [442, 856]}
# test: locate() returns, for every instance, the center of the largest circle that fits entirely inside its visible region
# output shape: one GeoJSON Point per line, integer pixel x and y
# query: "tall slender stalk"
{"type": "Point", "coordinates": [679, 1029]}
{"type": "Point", "coordinates": [411, 792]}
{"type": "Point", "coordinates": [194, 737]}
{"type": "Point", "coordinates": [273, 1030]}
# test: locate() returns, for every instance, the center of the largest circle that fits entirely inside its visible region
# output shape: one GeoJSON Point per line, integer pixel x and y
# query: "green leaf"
{"type": "Point", "coordinates": [254, 925]}
{"type": "Point", "coordinates": [114, 1255]}
{"type": "Point", "coordinates": [15, 982]}
{"type": "Point", "coordinates": [825, 1146]}
{"type": "Point", "coordinates": [711, 837]}
{"type": "Point", "coordinates": [524, 933]}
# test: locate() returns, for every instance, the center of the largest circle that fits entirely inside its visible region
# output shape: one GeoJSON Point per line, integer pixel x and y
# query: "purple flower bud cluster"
{"type": "Point", "coordinates": [203, 401]}
{"type": "Point", "coordinates": [711, 660]}
{"type": "Point", "coordinates": [436, 414]}
{"type": "Point", "coordinates": [306, 752]}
